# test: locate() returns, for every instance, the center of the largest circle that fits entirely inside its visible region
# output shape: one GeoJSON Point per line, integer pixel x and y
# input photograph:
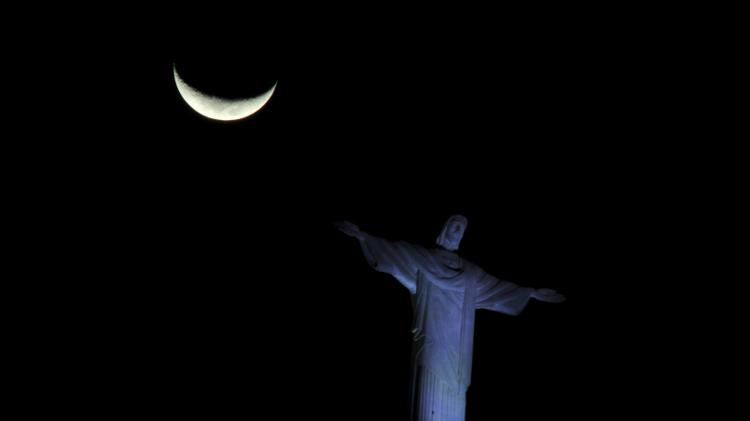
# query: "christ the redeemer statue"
{"type": "Point", "coordinates": [445, 290]}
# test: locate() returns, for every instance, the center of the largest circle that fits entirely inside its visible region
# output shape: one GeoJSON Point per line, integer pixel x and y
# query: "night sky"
{"type": "Point", "coordinates": [209, 277]}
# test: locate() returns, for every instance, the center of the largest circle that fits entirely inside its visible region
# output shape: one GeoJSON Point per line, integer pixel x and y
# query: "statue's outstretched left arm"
{"type": "Point", "coordinates": [547, 295]}
{"type": "Point", "coordinates": [509, 298]}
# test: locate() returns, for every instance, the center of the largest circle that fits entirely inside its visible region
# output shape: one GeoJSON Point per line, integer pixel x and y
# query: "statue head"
{"type": "Point", "coordinates": [453, 231]}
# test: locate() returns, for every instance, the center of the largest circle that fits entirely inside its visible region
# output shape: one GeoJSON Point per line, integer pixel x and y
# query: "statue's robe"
{"type": "Point", "coordinates": [446, 290]}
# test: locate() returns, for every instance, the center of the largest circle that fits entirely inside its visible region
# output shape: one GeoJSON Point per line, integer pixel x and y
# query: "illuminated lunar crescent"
{"type": "Point", "coordinates": [220, 108]}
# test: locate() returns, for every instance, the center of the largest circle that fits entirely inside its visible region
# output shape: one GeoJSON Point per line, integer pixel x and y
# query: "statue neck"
{"type": "Point", "coordinates": [449, 258]}
{"type": "Point", "coordinates": [442, 249]}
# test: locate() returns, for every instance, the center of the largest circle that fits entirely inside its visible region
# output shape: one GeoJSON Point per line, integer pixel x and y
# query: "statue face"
{"type": "Point", "coordinates": [453, 231]}
{"type": "Point", "coordinates": [452, 234]}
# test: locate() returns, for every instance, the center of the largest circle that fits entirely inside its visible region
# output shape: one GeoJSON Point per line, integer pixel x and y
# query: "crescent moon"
{"type": "Point", "coordinates": [218, 108]}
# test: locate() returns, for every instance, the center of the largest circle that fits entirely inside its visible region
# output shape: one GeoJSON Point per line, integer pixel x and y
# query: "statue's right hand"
{"type": "Point", "coordinates": [349, 229]}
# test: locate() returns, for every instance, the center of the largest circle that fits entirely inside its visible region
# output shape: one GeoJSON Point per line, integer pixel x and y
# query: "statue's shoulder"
{"type": "Point", "coordinates": [470, 266]}
{"type": "Point", "coordinates": [411, 246]}
{"type": "Point", "coordinates": [406, 248]}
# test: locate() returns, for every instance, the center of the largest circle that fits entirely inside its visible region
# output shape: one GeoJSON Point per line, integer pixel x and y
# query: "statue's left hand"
{"type": "Point", "coordinates": [547, 295]}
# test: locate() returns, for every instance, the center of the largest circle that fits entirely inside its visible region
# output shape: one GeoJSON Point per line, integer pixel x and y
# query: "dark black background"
{"type": "Point", "coordinates": [196, 267]}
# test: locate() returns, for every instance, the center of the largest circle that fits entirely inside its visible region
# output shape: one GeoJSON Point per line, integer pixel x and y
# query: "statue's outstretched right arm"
{"type": "Point", "coordinates": [399, 259]}
{"type": "Point", "coordinates": [351, 230]}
